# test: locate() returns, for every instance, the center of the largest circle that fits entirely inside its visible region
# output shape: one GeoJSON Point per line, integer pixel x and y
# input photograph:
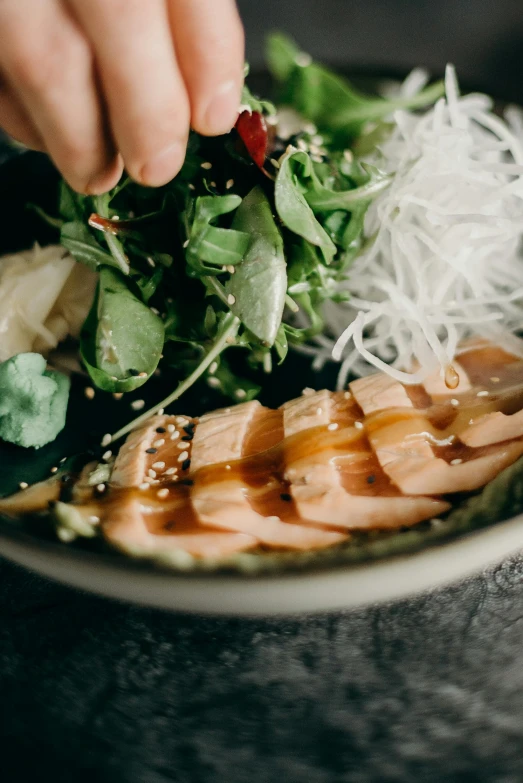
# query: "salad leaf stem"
{"type": "Point", "coordinates": [230, 326]}
{"type": "Point", "coordinates": [114, 245]}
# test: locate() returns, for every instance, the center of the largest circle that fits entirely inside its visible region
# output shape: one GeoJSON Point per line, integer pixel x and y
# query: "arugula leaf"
{"type": "Point", "coordinates": [122, 339]}
{"type": "Point", "coordinates": [218, 247]}
{"type": "Point", "coordinates": [259, 284]}
{"type": "Point", "coordinates": [82, 245]}
{"type": "Point", "coordinates": [253, 103]}
{"type": "Point", "coordinates": [72, 205]}
{"type": "Point", "coordinates": [292, 205]}
{"type": "Point", "coordinates": [231, 385]}
{"type": "Point", "coordinates": [323, 199]}
{"type": "Point", "coordinates": [329, 100]}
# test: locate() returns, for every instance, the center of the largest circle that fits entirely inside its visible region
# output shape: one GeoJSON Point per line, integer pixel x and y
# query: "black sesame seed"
{"type": "Point", "coordinates": [151, 451]}
{"type": "Point", "coordinates": [161, 430]}
{"type": "Point", "coordinates": [186, 465]}
{"type": "Point", "coordinates": [285, 496]}
{"type": "Point", "coordinates": [371, 479]}
{"type": "Point", "coordinates": [188, 438]}
{"type": "Point", "coordinates": [170, 525]}
{"type": "Point", "coordinates": [189, 428]}
{"type": "Point", "coordinates": [187, 483]}
{"type": "Point", "coordinates": [52, 504]}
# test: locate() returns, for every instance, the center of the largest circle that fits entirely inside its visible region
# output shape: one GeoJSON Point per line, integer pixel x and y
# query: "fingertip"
{"type": "Point", "coordinates": [162, 167]}
{"type": "Point", "coordinates": [220, 112]}
{"type": "Point", "coordinates": [106, 180]}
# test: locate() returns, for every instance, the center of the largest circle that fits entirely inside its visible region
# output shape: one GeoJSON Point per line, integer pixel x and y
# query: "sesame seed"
{"type": "Point", "coordinates": [181, 445]}
{"type": "Point", "coordinates": [163, 493]}
{"type": "Point", "coordinates": [151, 473]}
{"type": "Point", "coordinates": [332, 427]}
{"type": "Point", "coordinates": [175, 436]}
{"type": "Point", "coordinates": [214, 383]}
{"type": "Point", "coordinates": [144, 374]}
{"type": "Point", "coordinates": [118, 395]}
{"type": "Point", "coordinates": [188, 438]}
{"type": "Point", "coordinates": [229, 184]}
{"type": "Point", "coordinates": [207, 166]}
{"type": "Point", "coordinates": [23, 485]}
{"type": "Point", "coordinates": [371, 479]}
{"type": "Point", "coordinates": [64, 459]}
{"type": "Point", "coordinates": [495, 379]}
{"type": "Point", "coordinates": [319, 411]}
{"type": "Point", "coordinates": [456, 461]}
{"type": "Point", "coordinates": [349, 157]}
{"type": "Point", "coordinates": [171, 428]}
{"type": "Point", "coordinates": [191, 186]}
{"type": "Point", "coordinates": [454, 402]}
{"type": "Point", "coordinates": [181, 420]}
{"type": "Point", "coordinates": [471, 421]}
{"type": "Point", "coordinates": [151, 451]}
{"type": "Point", "coordinates": [94, 520]}
{"type": "Point", "coordinates": [101, 488]}
{"type": "Point", "coordinates": [144, 486]}
{"type": "Point", "coordinates": [231, 299]}
{"type": "Point", "coordinates": [89, 392]}
{"type": "Point", "coordinates": [275, 163]}
{"type": "Point", "coordinates": [302, 145]}
{"type": "Point", "coordinates": [106, 440]}
{"type": "Point", "coordinates": [171, 471]}
{"type": "Point", "coordinates": [161, 412]}
{"type": "Point", "coordinates": [213, 368]}
{"type": "Point", "coordinates": [107, 456]}
{"type": "Point", "coordinates": [286, 497]}
{"type": "Point", "coordinates": [227, 467]}
{"type": "Point", "coordinates": [346, 395]}
{"type": "Point", "coordinates": [151, 262]}
{"type": "Point", "coordinates": [183, 456]}
{"type": "Point", "coordinates": [240, 394]}
{"type": "Point", "coordinates": [159, 465]}
{"type": "Point", "coordinates": [137, 405]}
{"type": "Point", "coordinates": [161, 430]}
{"type": "Point", "coordinates": [482, 394]}
{"type": "Point", "coordinates": [159, 443]}
{"type": "Point", "coordinates": [213, 184]}
{"type": "Point", "coordinates": [54, 470]}
{"type": "Point", "coordinates": [186, 465]}
{"type": "Point", "coordinates": [317, 158]}
{"type": "Point", "coordinates": [231, 270]}
{"type": "Point", "coordinates": [66, 535]}
{"type": "Point", "coordinates": [358, 425]}
{"type": "Point", "coordinates": [187, 243]}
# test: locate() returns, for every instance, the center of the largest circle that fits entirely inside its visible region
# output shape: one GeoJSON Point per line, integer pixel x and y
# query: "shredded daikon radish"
{"type": "Point", "coordinates": [446, 261]}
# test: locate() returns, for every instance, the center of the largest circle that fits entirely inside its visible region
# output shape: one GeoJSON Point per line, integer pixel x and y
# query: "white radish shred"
{"type": "Point", "coordinates": [446, 261]}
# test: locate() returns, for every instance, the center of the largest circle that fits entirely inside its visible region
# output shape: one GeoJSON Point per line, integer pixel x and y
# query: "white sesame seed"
{"type": "Point", "coordinates": [231, 269]}
{"type": "Point", "coordinates": [495, 379]}
{"type": "Point", "coordinates": [240, 394]}
{"type": "Point", "coordinates": [181, 445]}
{"type": "Point", "coordinates": [23, 485]}
{"type": "Point", "coordinates": [144, 374]}
{"type": "Point", "coordinates": [151, 473]}
{"type": "Point", "coordinates": [229, 184]}
{"type": "Point", "coordinates": [183, 456]}
{"type": "Point", "coordinates": [175, 436]}
{"type": "Point", "coordinates": [346, 395]}
{"type": "Point", "coordinates": [154, 482]}
{"type": "Point", "coordinates": [213, 184]}
{"type": "Point", "coordinates": [213, 368]}
{"type": "Point", "coordinates": [63, 460]}
{"type": "Point", "coordinates": [181, 420]}
{"type": "Point", "coordinates": [66, 535]}
{"type": "Point", "coordinates": [117, 395]}
{"type": "Point", "coordinates": [214, 383]}
{"type": "Point", "coordinates": [275, 163]}
{"type": "Point", "coordinates": [191, 186]}
{"type": "Point", "coordinates": [137, 405]}
{"type": "Point", "coordinates": [471, 421]}
{"type": "Point", "coordinates": [171, 471]}
{"type": "Point", "coordinates": [332, 427]}
{"type": "Point", "coordinates": [207, 166]}
{"type": "Point", "coordinates": [171, 428]}
{"type": "Point", "coordinates": [100, 488]}
{"type": "Point", "coordinates": [54, 470]}
{"type": "Point", "coordinates": [302, 145]}
{"type": "Point", "coordinates": [107, 456]}
{"type": "Point", "coordinates": [151, 262]}
{"type": "Point", "coordinates": [358, 425]}
{"type": "Point", "coordinates": [317, 158]}
{"type": "Point", "coordinates": [319, 411]}
{"type": "Point", "coordinates": [159, 465]}
{"type": "Point", "coordinates": [349, 157]}
{"type": "Point", "coordinates": [231, 299]}
{"type": "Point", "coordinates": [454, 402]}
{"type": "Point", "coordinates": [187, 243]}
{"type": "Point", "coordinates": [227, 467]}
{"type": "Point", "coordinates": [94, 520]}
{"type": "Point", "coordinates": [89, 392]}
{"type": "Point", "coordinates": [163, 493]}
{"type": "Point", "coordinates": [161, 412]}
{"type": "Point", "coordinates": [159, 443]}
{"type": "Point", "coordinates": [106, 440]}
{"type": "Point", "coordinates": [144, 486]}
{"type": "Point", "coordinates": [482, 394]}
{"type": "Point", "coordinates": [456, 461]}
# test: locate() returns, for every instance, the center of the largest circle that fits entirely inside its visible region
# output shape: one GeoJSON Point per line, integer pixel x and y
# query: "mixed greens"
{"type": "Point", "coordinates": [258, 225]}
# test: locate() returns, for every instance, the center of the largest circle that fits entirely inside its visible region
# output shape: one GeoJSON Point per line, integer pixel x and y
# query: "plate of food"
{"type": "Point", "coordinates": [289, 380]}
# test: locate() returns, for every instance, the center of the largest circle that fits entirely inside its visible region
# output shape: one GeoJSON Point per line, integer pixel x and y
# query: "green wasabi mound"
{"type": "Point", "coordinates": [33, 401]}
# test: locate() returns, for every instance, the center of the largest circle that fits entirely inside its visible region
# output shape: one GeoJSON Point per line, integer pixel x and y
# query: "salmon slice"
{"type": "Point", "coordinates": [224, 503]}
{"type": "Point", "coordinates": [153, 453]}
{"type": "Point", "coordinates": [317, 479]}
{"type": "Point", "coordinates": [126, 528]}
{"type": "Point", "coordinates": [493, 428]}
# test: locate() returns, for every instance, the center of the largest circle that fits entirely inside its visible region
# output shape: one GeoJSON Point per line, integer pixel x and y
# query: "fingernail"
{"type": "Point", "coordinates": [223, 108]}
{"type": "Point", "coordinates": [164, 166]}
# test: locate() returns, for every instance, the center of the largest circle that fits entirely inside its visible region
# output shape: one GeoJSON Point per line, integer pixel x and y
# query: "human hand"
{"type": "Point", "coordinates": [103, 84]}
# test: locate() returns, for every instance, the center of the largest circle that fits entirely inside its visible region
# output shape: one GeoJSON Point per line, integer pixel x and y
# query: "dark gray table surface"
{"type": "Point", "coordinates": [430, 689]}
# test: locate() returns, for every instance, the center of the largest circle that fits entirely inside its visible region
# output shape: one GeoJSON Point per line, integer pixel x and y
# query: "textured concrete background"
{"type": "Point", "coordinates": [430, 689]}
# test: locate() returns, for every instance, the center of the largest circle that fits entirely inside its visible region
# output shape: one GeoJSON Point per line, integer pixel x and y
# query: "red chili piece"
{"type": "Point", "coordinates": [252, 130]}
